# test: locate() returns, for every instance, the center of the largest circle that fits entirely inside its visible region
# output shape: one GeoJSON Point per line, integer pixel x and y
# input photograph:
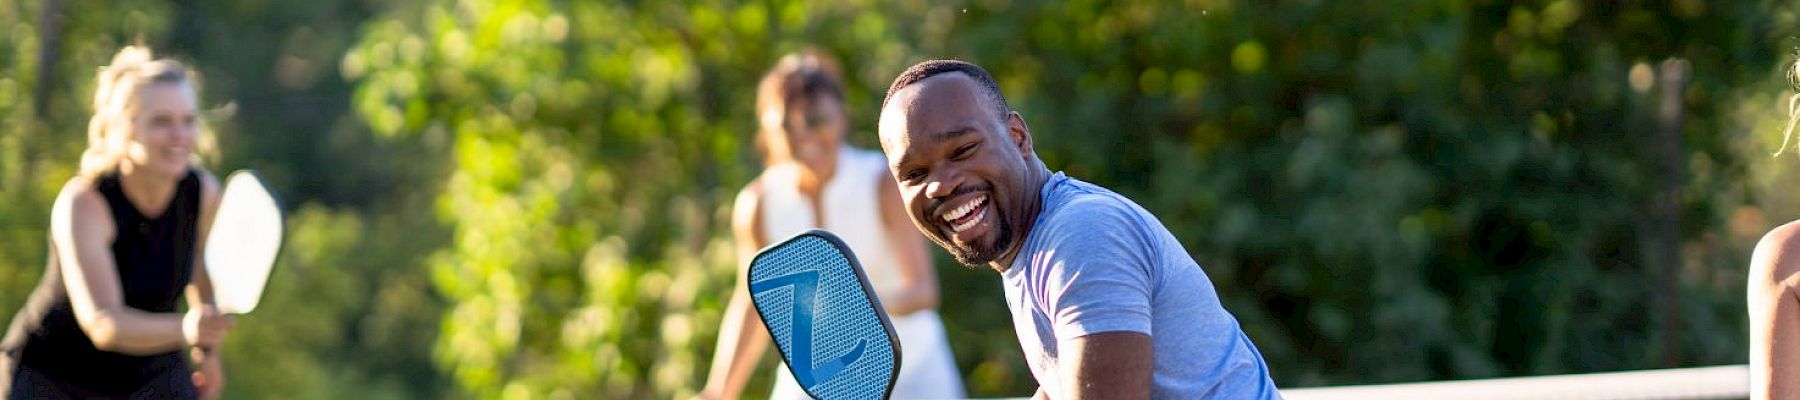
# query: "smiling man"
{"type": "Point", "coordinates": [1106, 302]}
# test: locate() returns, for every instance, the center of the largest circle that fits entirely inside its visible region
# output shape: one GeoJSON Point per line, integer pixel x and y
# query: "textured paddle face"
{"type": "Point", "coordinates": [243, 242]}
{"type": "Point", "coordinates": [817, 304]}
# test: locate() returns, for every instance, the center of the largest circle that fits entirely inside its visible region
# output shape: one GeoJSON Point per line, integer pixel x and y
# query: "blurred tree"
{"type": "Point", "coordinates": [596, 149]}
{"type": "Point", "coordinates": [1434, 189]}
{"type": "Point", "coordinates": [1423, 190]}
{"type": "Point", "coordinates": [529, 198]}
{"type": "Point", "coordinates": [1431, 190]}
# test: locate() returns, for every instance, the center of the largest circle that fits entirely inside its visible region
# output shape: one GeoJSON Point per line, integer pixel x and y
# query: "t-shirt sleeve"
{"type": "Point", "coordinates": [1099, 277]}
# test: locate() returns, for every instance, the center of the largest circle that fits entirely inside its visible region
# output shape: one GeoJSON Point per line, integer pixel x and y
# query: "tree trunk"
{"type": "Point", "coordinates": [50, 34]}
{"type": "Point", "coordinates": [1673, 82]}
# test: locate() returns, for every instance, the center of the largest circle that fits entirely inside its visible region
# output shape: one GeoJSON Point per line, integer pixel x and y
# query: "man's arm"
{"type": "Point", "coordinates": [1099, 283]}
{"type": "Point", "coordinates": [1107, 365]}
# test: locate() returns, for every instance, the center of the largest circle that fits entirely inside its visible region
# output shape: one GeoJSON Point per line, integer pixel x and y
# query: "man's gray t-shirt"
{"type": "Point", "coordinates": [1096, 262]}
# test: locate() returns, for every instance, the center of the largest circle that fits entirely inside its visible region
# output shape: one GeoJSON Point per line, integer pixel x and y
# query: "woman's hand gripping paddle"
{"type": "Point", "coordinates": [831, 329]}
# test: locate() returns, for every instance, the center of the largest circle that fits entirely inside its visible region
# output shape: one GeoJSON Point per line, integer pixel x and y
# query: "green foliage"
{"type": "Point", "coordinates": [591, 169]}
{"type": "Point", "coordinates": [1421, 191]}
{"type": "Point", "coordinates": [530, 198]}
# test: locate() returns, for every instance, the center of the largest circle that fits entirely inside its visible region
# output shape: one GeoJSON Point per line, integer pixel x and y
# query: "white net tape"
{"type": "Point", "coordinates": [1720, 382]}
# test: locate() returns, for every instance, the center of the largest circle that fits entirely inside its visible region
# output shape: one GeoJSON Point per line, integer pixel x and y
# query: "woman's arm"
{"type": "Point", "coordinates": [742, 338]}
{"type": "Point", "coordinates": [210, 376]}
{"type": "Point", "coordinates": [1775, 315]}
{"type": "Point", "coordinates": [81, 231]}
{"type": "Point", "coordinates": [919, 288]}
{"type": "Point", "coordinates": [200, 289]}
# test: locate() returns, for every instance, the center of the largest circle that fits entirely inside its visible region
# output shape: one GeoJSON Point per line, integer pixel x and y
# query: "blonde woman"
{"type": "Point", "coordinates": [813, 180]}
{"type": "Point", "coordinates": [1774, 298]}
{"type": "Point", "coordinates": [103, 322]}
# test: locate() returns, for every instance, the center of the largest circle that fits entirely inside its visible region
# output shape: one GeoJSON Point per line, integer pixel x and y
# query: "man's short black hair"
{"type": "Point", "coordinates": [927, 69]}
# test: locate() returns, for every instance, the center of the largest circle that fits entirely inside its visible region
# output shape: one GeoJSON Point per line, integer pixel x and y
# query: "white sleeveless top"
{"type": "Point", "coordinates": [852, 211]}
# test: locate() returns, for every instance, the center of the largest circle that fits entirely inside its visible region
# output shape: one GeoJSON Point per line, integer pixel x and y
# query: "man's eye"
{"type": "Point", "coordinates": [913, 176]}
{"type": "Point", "coordinates": [963, 152]}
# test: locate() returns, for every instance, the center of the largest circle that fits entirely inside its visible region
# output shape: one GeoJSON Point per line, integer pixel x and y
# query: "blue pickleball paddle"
{"type": "Point", "coordinates": [831, 329]}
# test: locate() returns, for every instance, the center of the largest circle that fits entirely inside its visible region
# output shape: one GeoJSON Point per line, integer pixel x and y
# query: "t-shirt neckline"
{"type": "Point", "coordinates": [1019, 261]}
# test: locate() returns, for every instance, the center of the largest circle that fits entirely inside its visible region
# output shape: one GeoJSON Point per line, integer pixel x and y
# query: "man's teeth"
{"type": "Point", "coordinates": [970, 223]}
{"type": "Point", "coordinates": [963, 211]}
{"type": "Point", "coordinates": [959, 212]}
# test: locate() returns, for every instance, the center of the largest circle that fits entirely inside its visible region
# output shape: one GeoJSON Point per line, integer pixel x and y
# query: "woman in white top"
{"type": "Point", "coordinates": [812, 180]}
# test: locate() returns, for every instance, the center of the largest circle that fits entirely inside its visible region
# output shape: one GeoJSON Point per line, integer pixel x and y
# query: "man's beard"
{"type": "Point", "coordinates": [975, 255]}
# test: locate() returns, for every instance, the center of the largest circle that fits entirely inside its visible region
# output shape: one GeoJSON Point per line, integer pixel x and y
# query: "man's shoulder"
{"type": "Point", "coordinates": [1086, 223]}
{"type": "Point", "coordinates": [1082, 208]}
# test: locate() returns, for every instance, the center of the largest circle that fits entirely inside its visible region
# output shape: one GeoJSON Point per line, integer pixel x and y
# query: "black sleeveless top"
{"type": "Point", "coordinates": [155, 258]}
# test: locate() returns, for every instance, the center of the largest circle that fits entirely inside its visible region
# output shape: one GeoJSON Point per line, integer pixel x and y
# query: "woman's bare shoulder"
{"type": "Point", "coordinates": [79, 190]}
{"type": "Point", "coordinates": [1777, 255]}
{"type": "Point", "coordinates": [751, 195]}
{"type": "Point", "coordinates": [746, 208]}
{"type": "Point", "coordinates": [80, 209]}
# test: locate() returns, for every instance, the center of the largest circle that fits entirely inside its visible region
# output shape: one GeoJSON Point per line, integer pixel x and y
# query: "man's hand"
{"type": "Point", "coordinates": [1107, 365]}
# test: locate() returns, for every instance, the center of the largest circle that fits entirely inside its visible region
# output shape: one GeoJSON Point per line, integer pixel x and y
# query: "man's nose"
{"type": "Point", "coordinates": [942, 185]}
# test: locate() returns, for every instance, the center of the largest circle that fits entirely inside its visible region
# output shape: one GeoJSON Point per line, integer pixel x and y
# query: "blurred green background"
{"type": "Point", "coordinates": [530, 199]}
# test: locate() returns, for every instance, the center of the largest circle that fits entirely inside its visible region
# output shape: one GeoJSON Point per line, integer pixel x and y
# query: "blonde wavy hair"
{"type": "Point", "coordinates": [116, 97]}
{"type": "Point", "coordinates": [1793, 75]}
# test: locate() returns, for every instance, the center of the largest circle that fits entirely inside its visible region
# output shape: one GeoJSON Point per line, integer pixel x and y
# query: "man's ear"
{"type": "Point", "coordinates": [1019, 133]}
